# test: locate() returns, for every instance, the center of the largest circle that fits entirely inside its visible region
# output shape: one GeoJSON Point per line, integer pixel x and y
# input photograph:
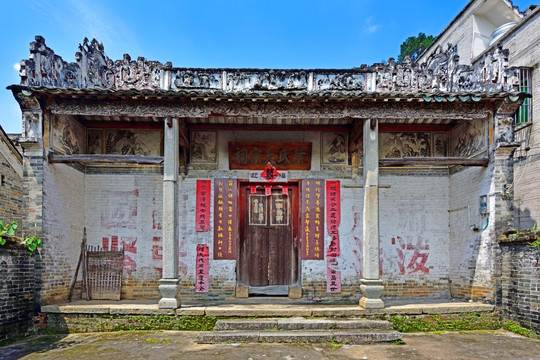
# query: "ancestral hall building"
{"type": "Point", "coordinates": [387, 180]}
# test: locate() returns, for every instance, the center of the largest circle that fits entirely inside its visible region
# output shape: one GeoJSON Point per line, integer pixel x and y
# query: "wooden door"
{"type": "Point", "coordinates": [269, 241]}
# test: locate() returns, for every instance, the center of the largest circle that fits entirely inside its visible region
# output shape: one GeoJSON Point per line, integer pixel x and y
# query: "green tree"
{"type": "Point", "coordinates": [414, 46]}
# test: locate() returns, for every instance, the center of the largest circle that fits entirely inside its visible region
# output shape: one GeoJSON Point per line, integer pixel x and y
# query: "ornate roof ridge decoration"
{"type": "Point", "coordinates": [441, 73]}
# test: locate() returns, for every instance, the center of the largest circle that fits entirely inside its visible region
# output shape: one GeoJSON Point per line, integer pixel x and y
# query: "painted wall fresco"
{"type": "Point", "coordinates": [440, 144]}
{"type": "Point", "coordinates": [133, 142]}
{"type": "Point", "coordinates": [468, 139]}
{"type": "Point", "coordinates": [68, 135]}
{"type": "Point", "coordinates": [203, 147]}
{"type": "Point", "coordinates": [334, 148]}
{"type": "Point", "coordinates": [95, 144]}
{"type": "Point", "coordinates": [404, 144]}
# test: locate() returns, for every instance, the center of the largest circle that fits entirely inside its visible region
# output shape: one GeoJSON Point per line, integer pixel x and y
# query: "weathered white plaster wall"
{"type": "Point", "coordinates": [63, 226]}
{"type": "Point", "coordinates": [414, 212]}
{"type": "Point", "coordinates": [470, 262]}
{"type": "Point", "coordinates": [128, 207]}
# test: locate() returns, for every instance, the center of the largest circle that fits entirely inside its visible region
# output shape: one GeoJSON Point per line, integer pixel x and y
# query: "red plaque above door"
{"type": "Point", "coordinates": [282, 155]}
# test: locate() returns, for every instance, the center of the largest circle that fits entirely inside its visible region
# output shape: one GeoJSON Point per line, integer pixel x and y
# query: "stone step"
{"type": "Point", "coordinates": [353, 337]}
{"type": "Point", "coordinates": [299, 323]}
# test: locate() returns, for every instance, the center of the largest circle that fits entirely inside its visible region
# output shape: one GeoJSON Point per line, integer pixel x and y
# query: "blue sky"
{"type": "Point", "coordinates": [218, 33]}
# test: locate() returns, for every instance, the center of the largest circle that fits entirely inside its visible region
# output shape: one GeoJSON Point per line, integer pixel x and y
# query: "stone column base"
{"type": "Point", "coordinates": [242, 292]}
{"type": "Point", "coordinates": [169, 288]}
{"type": "Point", "coordinates": [372, 291]}
{"type": "Point", "coordinates": [295, 292]}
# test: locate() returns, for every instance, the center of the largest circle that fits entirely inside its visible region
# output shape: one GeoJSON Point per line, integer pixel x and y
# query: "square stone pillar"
{"type": "Point", "coordinates": [371, 284]}
{"type": "Point", "coordinates": [169, 284]}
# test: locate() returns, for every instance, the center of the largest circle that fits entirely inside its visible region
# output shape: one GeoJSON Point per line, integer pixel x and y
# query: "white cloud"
{"type": "Point", "coordinates": [17, 66]}
{"type": "Point", "coordinates": [369, 27]}
{"type": "Point", "coordinates": [91, 20]}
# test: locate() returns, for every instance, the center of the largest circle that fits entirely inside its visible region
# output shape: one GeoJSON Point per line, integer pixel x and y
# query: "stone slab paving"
{"type": "Point", "coordinates": [264, 310]}
{"type": "Point", "coordinates": [166, 345]}
{"type": "Point", "coordinates": [355, 337]}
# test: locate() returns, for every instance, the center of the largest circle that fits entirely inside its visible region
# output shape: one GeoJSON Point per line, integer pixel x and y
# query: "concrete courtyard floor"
{"type": "Point", "coordinates": [181, 345]}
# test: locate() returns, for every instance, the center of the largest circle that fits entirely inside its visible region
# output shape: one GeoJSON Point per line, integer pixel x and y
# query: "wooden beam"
{"type": "Point", "coordinates": [123, 125]}
{"type": "Point", "coordinates": [412, 127]}
{"type": "Point", "coordinates": [440, 161]}
{"type": "Point", "coordinates": [238, 127]}
{"type": "Point", "coordinates": [105, 159]}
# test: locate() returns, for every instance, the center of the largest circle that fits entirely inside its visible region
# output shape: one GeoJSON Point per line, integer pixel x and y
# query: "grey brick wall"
{"type": "Point", "coordinates": [521, 284]}
{"type": "Point", "coordinates": [17, 291]}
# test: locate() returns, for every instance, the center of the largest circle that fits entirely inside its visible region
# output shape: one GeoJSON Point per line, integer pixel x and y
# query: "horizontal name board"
{"type": "Point", "coordinates": [282, 155]}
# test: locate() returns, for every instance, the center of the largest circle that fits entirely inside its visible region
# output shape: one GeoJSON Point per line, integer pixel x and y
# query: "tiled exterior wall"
{"type": "Point", "coordinates": [521, 284]}
{"type": "Point", "coordinates": [17, 292]}
{"type": "Point", "coordinates": [63, 227]}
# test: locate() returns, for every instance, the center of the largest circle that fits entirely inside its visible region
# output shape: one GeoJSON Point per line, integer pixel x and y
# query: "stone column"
{"type": "Point", "coordinates": [169, 284]}
{"type": "Point", "coordinates": [371, 284]}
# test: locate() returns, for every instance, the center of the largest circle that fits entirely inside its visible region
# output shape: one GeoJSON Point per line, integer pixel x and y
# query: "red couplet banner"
{"type": "Point", "coordinates": [333, 215]}
{"type": "Point", "coordinates": [202, 209]}
{"type": "Point", "coordinates": [312, 226]}
{"type": "Point", "coordinates": [225, 219]}
{"type": "Point", "coordinates": [202, 269]}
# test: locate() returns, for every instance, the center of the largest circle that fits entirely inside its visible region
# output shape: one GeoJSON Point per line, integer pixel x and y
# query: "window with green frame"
{"type": "Point", "coordinates": [523, 115]}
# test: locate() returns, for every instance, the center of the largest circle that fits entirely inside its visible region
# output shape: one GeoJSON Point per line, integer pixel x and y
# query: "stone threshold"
{"type": "Point", "coordinates": [264, 310]}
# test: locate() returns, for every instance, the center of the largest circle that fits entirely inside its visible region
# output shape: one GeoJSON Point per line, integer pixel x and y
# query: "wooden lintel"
{"type": "Point", "coordinates": [105, 159]}
{"type": "Point", "coordinates": [124, 125]}
{"type": "Point", "coordinates": [412, 127]}
{"type": "Point", "coordinates": [440, 161]}
{"type": "Point", "coordinates": [323, 128]}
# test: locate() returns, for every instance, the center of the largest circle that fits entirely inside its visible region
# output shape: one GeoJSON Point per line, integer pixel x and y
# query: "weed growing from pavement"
{"type": "Point", "coordinates": [454, 322]}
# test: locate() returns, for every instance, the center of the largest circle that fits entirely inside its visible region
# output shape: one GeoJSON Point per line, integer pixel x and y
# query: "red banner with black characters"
{"type": "Point", "coordinates": [202, 209]}
{"type": "Point", "coordinates": [202, 269]}
{"type": "Point", "coordinates": [312, 226]}
{"type": "Point", "coordinates": [225, 219]}
{"type": "Point", "coordinates": [333, 218]}
{"type": "Point", "coordinates": [333, 215]}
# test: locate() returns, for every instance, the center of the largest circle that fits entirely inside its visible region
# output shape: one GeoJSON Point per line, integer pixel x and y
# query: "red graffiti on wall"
{"type": "Point", "coordinates": [157, 255]}
{"type": "Point", "coordinates": [119, 209]}
{"type": "Point", "coordinates": [128, 243]}
{"type": "Point", "coordinates": [358, 251]}
{"type": "Point", "coordinates": [418, 259]}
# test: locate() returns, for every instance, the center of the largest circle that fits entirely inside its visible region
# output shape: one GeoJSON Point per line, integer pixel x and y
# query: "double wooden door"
{"type": "Point", "coordinates": [268, 238]}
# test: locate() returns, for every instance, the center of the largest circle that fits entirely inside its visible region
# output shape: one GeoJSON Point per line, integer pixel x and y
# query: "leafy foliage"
{"type": "Point", "coordinates": [414, 46]}
{"type": "Point", "coordinates": [32, 243]}
{"type": "Point", "coordinates": [7, 229]}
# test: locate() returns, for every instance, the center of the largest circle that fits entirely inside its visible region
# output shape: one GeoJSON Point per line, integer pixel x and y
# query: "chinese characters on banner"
{"type": "Point", "coordinates": [333, 215]}
{"type": "Point", "coordinates": [202, 266]}
{"type": "Point", "coordinates": [333, 276]}
{"type": "Point", "coordinates": [333, 218]}
{"type": "Point", "coordinates": [225, 217]}
{"type": "Point", "coordinates": [202, 221]}
{"type": "Point", "coordinates": [312, 226]}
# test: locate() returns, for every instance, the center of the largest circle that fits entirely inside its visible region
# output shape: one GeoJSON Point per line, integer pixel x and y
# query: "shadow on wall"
{"type": "Point", "coordinates": [523, 219]}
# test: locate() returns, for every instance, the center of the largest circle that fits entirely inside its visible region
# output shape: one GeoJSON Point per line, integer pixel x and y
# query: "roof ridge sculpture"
{"type": "Point", "coordinates": [93, 69]}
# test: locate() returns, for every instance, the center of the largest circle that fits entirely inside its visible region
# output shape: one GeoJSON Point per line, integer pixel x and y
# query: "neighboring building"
{"type": "Point", "coordinates": [474, 31]}
{"type": "Point", "coordinates": [178, 167]}
{"type": "Point", "coordinates": [11, 173]}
